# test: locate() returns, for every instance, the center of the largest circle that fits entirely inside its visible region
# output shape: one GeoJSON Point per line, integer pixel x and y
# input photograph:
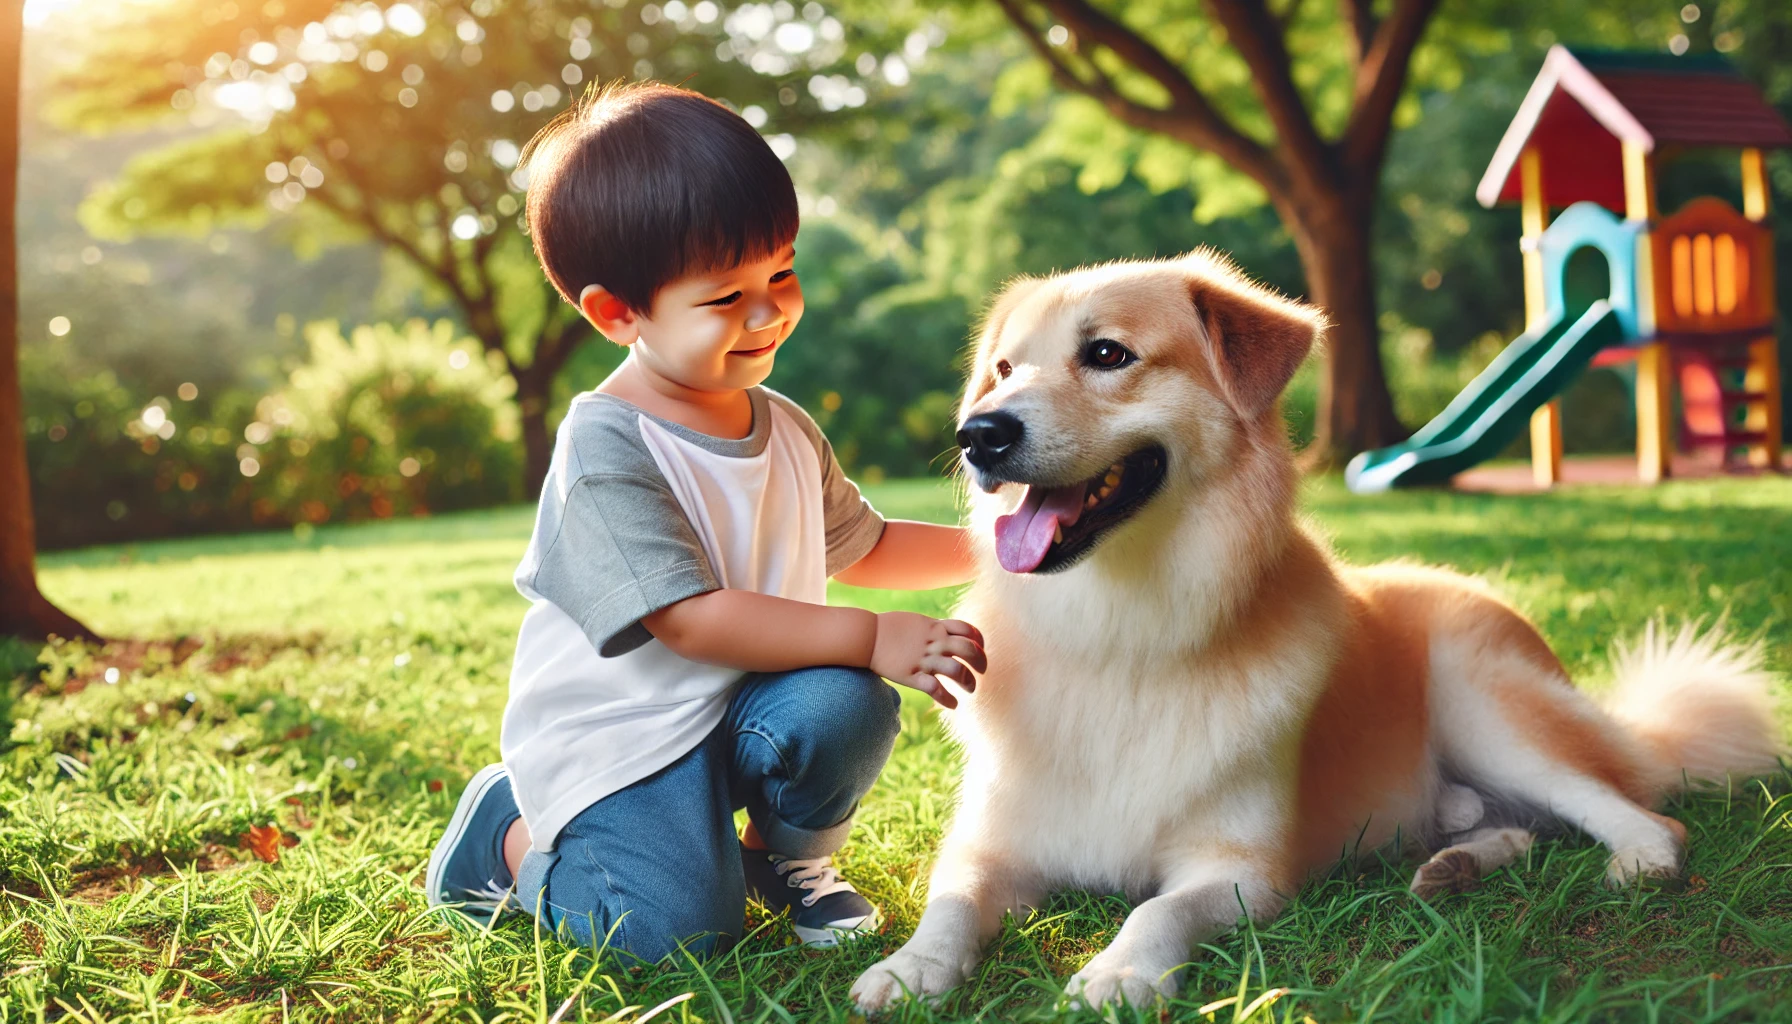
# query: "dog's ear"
{"type": "Point", "coordinates": [981, 376]}
{"type": "Point", "coordinates": [1256, 338]}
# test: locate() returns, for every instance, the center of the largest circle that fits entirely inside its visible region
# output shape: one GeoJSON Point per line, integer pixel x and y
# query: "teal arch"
{"type": "Point", "coordinates": [1589, 224]}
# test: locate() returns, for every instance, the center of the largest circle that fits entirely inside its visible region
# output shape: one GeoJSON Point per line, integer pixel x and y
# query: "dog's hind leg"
{"type": "Point", "coordinates": [1461, 866]}
{"type": "Point", "coordinates": [1459, 809]}
{"type": "Point", "coordinates": [1517, 730]}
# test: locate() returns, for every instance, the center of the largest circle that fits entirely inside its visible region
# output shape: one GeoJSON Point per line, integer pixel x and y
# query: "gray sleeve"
{"type": "Point", "coordinates": [853, 526]}
{"type": "Point", "coordinates": [612, 546]}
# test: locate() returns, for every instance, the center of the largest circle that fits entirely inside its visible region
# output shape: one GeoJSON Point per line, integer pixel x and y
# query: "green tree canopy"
{"type": "Point", "coordinates": [403, 123]}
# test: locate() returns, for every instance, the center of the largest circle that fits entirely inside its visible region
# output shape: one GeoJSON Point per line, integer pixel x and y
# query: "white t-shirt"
{"type": "Point", "coordinates": [639, 513]}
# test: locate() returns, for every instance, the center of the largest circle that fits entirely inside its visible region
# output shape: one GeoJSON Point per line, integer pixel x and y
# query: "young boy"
{"type": "Point", "coordinates": [678, 661]}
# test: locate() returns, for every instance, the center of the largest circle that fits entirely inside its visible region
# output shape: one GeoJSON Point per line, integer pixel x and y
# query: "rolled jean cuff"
{"type": "Point", "coordinates": [532, 883]}
{"type": "Point", "coordinates": [802, 843]}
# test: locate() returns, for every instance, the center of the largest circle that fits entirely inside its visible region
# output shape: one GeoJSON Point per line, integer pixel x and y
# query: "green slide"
{"type": "Point", "coordinates": [1494, 408]}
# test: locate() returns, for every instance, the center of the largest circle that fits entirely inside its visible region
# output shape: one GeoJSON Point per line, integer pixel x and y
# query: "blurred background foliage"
{"type": "Point", "coordinates": [210, 187]}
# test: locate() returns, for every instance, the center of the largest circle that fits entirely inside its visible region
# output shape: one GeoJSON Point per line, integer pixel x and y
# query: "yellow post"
{"type": "Point", "coordinates": [1654, 363]}
{"type": "Point", "coordinates": [1546, 444]}
{"type": "Point", "coordinates": [1754, 185]}
{"type": "Point", "coordinates": [1535, 219]}
{"type": "Point", "coordinates": [1764, 381]}
{"type": "Point", "coordinates": [1653, 368]}
{"type": "Point", "coordinates": [1546, 422]}
{"type": "Point", "coordinates": [1639, 182]}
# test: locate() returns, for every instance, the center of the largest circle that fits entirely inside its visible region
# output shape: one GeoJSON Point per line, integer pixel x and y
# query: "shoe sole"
{"type": "Point", "coordinates": [834, 933]}
{"type": "Point", "coordinates": [457, 827]}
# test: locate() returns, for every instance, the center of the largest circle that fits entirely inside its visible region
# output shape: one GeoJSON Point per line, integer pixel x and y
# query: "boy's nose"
{"type": "Point", "coordinates": [767, 315]}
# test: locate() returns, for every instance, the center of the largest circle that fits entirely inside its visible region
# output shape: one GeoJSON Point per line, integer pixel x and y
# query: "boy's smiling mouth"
{"type": "Point", "coordinates": [762, 350]}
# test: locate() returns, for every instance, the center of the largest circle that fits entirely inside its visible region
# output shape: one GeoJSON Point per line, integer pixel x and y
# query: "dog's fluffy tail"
{"type": "Point", "coordinates": [1701, 707]}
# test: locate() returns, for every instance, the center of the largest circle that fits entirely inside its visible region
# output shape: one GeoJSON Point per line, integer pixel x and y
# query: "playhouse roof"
{"type": "Point", "coordinates": [1585, 103]}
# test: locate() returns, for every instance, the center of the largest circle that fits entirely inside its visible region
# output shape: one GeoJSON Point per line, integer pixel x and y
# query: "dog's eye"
{"type": "Point", "coordinates": [1104, 354]}
{"type": "Point", "coordinates": [1003, 369]}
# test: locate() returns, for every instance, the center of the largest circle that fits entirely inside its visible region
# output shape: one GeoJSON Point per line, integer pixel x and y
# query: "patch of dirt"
{"type": "Point", "coordinates": [124, 658]}
{"type": "Point", "coordinates": [16, 886]}
{"type": "Point", "coordinates": [1746, 954]}
{"type": "Point", "coordinates": [33, 938]}
{"type": "Point", "coordinates": [103, 884]}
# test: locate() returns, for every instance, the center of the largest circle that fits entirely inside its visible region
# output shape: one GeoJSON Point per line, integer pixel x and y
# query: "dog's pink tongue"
{"type": "Point", "coordinates": [1025, 535]}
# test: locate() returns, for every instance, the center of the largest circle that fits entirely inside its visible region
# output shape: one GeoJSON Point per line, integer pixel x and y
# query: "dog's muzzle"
{"type": "Point", "coordinates": [987, 438]}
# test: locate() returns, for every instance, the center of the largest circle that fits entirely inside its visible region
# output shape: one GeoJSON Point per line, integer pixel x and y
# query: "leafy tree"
{"type": "Point", "coordinates": [23, 609]}
{"type": "Point", "coordinates": [1272, 94]}
{"type": "Point", "coordinates": [402, 124]}
{"type": "Point", "coordinates": [1289, 104]}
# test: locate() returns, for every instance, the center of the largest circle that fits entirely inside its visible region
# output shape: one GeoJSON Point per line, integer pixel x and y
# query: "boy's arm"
{"type": "Point", "coordinates": [914, 556]}
{"type": "Point", "coordinates": [760, 633]}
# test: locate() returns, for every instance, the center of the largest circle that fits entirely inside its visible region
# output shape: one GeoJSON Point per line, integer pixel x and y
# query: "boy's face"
{"type": "Point", "coordinates": [717, 331]}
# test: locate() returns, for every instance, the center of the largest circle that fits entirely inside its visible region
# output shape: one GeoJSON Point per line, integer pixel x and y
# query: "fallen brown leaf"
{"type": "Point", "coordinates": [264, 841]}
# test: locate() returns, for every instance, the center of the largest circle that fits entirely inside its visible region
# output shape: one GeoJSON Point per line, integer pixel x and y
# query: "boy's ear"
{"type": "Point", "coordinates": [610, 315]}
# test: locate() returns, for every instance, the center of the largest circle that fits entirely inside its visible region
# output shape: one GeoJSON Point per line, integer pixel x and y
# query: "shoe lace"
{"type": "Point", "coordinates": [492, 897]}
{"type": "Point", "coordinates": [817, 875]}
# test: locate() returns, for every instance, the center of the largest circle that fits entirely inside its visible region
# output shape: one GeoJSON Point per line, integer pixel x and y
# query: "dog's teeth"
{"type": "Point", "coordinates": [1111, 479]}
{"type": "Point", "coordinates": [1090, 501]}
{"type": "Point", "coordinates": [1057, 535]}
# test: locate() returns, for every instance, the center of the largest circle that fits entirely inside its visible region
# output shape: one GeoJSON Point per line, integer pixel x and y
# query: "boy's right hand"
{"type": "Point", "coordinates": [916, 650]}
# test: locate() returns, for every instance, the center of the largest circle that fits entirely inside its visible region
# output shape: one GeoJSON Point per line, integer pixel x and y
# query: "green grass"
{"type": "Point", "coordinates": [343, 686]}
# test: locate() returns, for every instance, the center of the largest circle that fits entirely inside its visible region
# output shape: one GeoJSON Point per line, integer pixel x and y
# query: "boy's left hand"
{"type": "Point", "coordinates": [919, 651]}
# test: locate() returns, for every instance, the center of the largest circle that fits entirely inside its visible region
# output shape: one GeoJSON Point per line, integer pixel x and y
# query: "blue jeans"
{"type": "Point", "coordinates": [657, 864]}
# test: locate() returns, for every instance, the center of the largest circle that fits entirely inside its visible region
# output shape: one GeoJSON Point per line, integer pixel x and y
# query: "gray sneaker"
{"type": "Point", "coordinates": [824, 908]}
{"type": "Point", "coordinates": [466, 870]}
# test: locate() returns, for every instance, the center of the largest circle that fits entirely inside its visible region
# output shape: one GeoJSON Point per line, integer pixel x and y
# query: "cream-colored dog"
{"type": "Point", "coordinates": [1191, 700]}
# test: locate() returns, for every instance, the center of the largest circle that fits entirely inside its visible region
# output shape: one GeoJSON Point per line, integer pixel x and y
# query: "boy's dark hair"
{"type": "Point", "coordinates": [638, 185]}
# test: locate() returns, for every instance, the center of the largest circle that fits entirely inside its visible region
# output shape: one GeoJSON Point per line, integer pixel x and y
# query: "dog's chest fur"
{"type": "Point", "coordinates": [1100, 767]}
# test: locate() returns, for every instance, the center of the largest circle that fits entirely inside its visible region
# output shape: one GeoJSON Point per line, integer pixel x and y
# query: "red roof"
{"type": "Point", "coordinates": [1585, 103]}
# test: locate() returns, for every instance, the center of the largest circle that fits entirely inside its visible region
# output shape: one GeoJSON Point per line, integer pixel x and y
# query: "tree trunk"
{"type": "Point", "coordinates": [23, 610]}
{"type": "Point", "coordinates": [532, 390]}
{"type": "Point", "coordinates": [1356, 411]}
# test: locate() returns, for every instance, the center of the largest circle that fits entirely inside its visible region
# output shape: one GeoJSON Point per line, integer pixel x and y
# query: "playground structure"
{"type": "Point", "coordinates": [1691, 295]}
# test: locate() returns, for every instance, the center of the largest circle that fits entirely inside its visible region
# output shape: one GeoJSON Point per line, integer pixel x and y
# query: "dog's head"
{"type": "Point", "coordinates": [1097, 392]}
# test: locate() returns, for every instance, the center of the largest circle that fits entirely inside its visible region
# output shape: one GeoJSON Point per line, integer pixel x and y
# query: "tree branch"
{"type": "Point", "coordinates": [560, 336]}
{"type": "Point", "coordinates": [1380, 78]}
{"type": "Point", "coordinates": [1190, 118]}
{"type": "Point", "coordinates": [1257, 36]}
{"type": "Point", "coordinates": [1360, 16]}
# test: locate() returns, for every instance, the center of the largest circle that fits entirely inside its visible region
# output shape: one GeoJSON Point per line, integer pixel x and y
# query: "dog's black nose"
{"type": "Point", "coordinates": [987, 437]}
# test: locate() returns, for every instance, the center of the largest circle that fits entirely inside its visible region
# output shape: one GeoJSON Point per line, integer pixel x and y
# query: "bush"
{"type": "Point", "coordinates": [110, 465]}
{"type": "Point", "coordinates": [385, 422]}
{"type": "Point", "coordinates": [388, 421]}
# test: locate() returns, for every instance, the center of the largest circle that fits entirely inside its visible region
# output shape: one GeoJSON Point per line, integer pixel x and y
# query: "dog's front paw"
{"type": "Point", "coordinates": [1653, 865]}
{"type": "Point", "coordinates": [1106, 981]}
{"type": "Point", "coordinates": [906, 974]}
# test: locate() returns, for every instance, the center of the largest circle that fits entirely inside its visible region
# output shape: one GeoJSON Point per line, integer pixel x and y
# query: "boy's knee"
{"type": "Point", "coordinates": [853, 708]}
{"type": "Point", "coordinates": [698, 929]}
{"type": "Point", "coordinates": [704, 922]}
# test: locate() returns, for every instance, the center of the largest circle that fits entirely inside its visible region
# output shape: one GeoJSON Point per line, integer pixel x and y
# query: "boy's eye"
{"type": "Point", "coordinates": [727, 300]}
{"type": "Point", "coordinates": [783, 275]}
